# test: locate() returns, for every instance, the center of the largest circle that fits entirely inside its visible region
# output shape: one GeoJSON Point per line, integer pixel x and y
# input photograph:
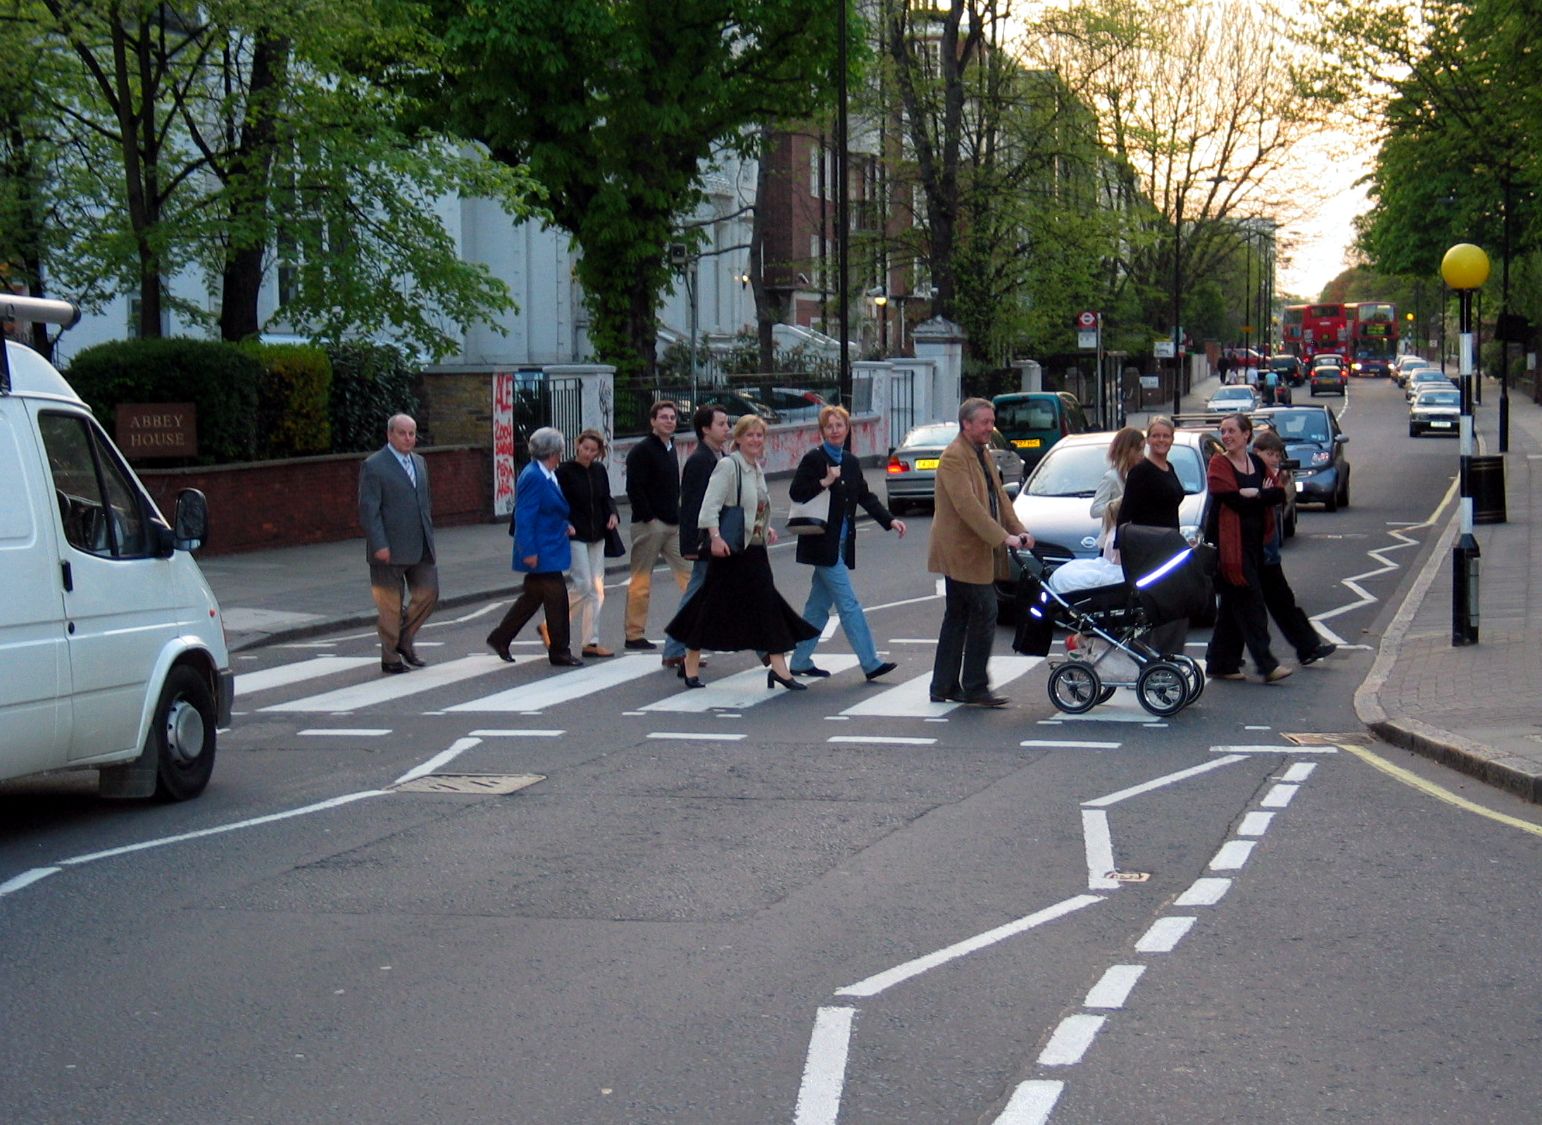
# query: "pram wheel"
{"type": "Point", "coordinates": [1162, 689]}
{"type": "Point", "coordinates": [1106, 694]}
{"type": "Point", "coordinates": [1191, 672]}
{"type": "Point", "coordinates": [1074, 687]}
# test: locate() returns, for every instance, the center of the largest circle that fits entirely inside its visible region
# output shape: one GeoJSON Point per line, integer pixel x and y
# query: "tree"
{"type": "Point", "coordinates": [616, 107]}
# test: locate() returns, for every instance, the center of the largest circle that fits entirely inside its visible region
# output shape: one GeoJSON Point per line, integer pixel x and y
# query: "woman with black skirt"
{"type": "Point", "coordinates": [738, 606]}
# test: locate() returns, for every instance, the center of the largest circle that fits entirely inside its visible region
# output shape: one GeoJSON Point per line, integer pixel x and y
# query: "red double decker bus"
{"type": "Point", "coordinates": [1325, 330]}
{"type": "Point", "coordinates": [1372, 337]}
{"type": "Point", "coordinates": [1290, 330]}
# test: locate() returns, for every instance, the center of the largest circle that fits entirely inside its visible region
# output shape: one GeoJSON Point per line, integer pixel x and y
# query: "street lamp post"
{"type": "Point", "coordinates": [1178, 308]}
{"type": "Point", "coordinates": [1465, 269]}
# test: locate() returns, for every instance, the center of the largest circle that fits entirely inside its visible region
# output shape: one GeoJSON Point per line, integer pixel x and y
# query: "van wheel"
{"type": "Point", "coordinates": [182, 735]}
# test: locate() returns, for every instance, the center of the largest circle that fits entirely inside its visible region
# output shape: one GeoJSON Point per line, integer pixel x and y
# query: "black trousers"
{"type": "Point", "coordinates": [964, 644]}
{"type": "Point", "coordinates": [1242, 619]}
{"type": "Point", "coordinates": [1280, 600]}
{"type": "Point", "coordinates": [549, 591]}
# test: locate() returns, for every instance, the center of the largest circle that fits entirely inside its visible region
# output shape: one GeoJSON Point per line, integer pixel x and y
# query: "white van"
{"type": "Point", "coordinates": [112, 651]}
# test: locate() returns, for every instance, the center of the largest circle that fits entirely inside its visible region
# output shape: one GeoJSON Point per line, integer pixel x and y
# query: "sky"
{"type": "Point", "coordinates": [1324, 239]}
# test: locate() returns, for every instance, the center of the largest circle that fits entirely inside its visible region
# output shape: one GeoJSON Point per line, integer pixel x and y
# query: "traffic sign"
{"type": "Point", "coordinates": [1088, 319]}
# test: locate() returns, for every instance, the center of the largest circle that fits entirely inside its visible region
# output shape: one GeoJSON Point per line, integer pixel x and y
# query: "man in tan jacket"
{"type": "Point", "coordinates": [974, 517]}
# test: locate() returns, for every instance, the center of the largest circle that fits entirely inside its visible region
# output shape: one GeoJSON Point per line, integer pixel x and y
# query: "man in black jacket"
{"type": "Point", "coordinates": [653, 488]}
{"type": "Point", "coordinates": [712, 430]}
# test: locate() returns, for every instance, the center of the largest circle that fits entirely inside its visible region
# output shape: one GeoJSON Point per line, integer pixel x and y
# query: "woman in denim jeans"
{"type": "Point", "coordinates": [833, 555]}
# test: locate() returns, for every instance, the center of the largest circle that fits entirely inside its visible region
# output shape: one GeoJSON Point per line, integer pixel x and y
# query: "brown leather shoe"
{"type": "Point", "coordinates": [597, 650]}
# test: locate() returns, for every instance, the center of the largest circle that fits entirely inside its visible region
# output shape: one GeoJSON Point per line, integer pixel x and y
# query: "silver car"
{"type": "Point", "coordinates": [1435, 409]}
{"type": "Point", "coordinates": [911, 475]}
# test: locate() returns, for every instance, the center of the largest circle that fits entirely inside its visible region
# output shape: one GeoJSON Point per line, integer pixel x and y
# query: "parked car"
{"type": "Point", "coordinates": [112, 652]}
{"type": "Point", "coordinates": [1328, 379]}
{"type": "Point", "coordinates": [911, 475]}
{"type": "Point", "coordinates": [1236, 399]}
{"type": "Point", "coordinates": [1404, 364]}
{"type": "Point", "coordinates": [1033, 421]}
{"type": "Point", "coordinates": [1435, 410]}
{"type": "Point", "coordinates": [1421, 377]}
{"type": "Point", "coordinates": [792, 404]}
{"type": "Point", "coordinates": [1313, 438]}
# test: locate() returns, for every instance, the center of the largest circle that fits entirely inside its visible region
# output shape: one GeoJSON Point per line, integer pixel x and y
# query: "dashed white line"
{"type": "Point", "coordinates": [1203, 892]}
{"type": "Point", "coordinates": [1255, 824]}
{"type": "Point", "coordinates": [880, 740]}
{"type": "Point", "coordinates": [1099, 847]}
{"type": "Point", "coordinates": [824, 1068]}
{"type": "Point", "coordinates": [691, 736]}
{"type": "Point", "coordinates": [1300, 771]}
{"type": "Point", "coordinates": [26, 879]}
{"type": "Point", "coordinates": [1071, 1039]}
{"type": "Point", "coordinates": [1232, 855]}
{"type": "Point", "coordinates": [1113, 988]}
{"type": "Point", "coordinates": [1279, 796]}
{"type": "Point", "coordinates": [518, 733]}
{"type": "Point", "coordinates": [355, 732]}
{"type": "Point", "coordinates": [1164, 934]}
{"type": "Point", "coordinates": [1066, 744]}
{"type": "Point", "coordinates": [1031, 1103]}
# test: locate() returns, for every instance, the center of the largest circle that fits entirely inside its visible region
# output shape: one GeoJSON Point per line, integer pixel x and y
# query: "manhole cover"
{"type": "Point", "coordinates": [482, 784]}
{"type": "Point", "coordinates": [1360, 738]}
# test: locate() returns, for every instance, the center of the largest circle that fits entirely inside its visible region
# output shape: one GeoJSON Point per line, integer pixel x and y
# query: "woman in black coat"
{"type": "Point", "coordinates": [833, 555]}
{"type": "Point", "coordinates": [586, 485]}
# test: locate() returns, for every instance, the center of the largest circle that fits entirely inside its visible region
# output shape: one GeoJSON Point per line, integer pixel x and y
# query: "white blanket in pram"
{"type": "Point", "coordinates": [1085, 574]}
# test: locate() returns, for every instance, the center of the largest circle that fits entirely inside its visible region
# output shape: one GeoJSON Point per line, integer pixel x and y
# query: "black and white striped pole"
{"type": "Point", "coordinates": [1465, 269]}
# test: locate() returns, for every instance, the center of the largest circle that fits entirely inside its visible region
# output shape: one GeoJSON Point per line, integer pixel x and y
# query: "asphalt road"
{"type": "Point", "coordinates": [737, 905]}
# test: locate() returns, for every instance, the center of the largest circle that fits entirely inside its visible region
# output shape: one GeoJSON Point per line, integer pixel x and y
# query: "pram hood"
{"type": "Point", "coordinates": [1168, 575]}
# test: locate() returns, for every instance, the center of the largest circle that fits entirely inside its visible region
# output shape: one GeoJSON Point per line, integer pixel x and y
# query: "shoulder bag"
{"type": "Point", "coordinates": [730, 520]}
{"type": "Point", "coordinates": [809, 517]}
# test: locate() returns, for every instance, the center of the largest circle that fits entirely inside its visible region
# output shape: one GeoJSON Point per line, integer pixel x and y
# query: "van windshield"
{"type": "Point", "coordinates": [1030, 414]}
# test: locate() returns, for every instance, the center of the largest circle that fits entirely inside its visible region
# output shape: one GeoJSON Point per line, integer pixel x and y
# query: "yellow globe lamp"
{"type": "Point", "coordinates": [1465, 266]}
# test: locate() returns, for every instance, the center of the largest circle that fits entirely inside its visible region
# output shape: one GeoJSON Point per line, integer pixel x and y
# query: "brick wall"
{"type": "Point", "coordinates": [457, 407]}
{"type": "Point", "coordinates": [315, 499]}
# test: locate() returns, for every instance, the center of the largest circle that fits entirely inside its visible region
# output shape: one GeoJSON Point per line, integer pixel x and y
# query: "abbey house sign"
{"type": "Point", "coordinates": [146, 430]}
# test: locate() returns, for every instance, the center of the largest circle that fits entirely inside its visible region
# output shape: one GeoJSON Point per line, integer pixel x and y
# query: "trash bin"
{"type": "Point", "coordinates": [1486, 485]}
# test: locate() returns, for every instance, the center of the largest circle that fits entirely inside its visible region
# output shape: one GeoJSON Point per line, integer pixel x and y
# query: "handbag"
{"type": "Point", "coordinates": [730, 520]}
{"type": "Point", "coordinates": [615, 546]}
{"type": "Point", "coordinates": [810, 517]}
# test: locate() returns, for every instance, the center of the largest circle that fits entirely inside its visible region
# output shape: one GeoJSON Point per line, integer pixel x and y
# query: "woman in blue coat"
{"type": "Point", "coordinates": [541, 551]}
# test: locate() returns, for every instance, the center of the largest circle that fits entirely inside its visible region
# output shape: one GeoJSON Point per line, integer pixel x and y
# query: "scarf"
{"type": "Point", "coordinates": [1222, 478]}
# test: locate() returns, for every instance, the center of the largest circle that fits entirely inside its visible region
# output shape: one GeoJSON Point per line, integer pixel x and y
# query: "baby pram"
{"type": "Point", "coordinates": [1164, 579]}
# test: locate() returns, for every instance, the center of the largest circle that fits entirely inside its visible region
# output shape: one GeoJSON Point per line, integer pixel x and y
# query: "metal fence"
{"type": "Point", "coordinates": [547, 401]}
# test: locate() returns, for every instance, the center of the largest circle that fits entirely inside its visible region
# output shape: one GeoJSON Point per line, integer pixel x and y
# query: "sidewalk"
{"type": "Point", "coordinates": [1473, 708]}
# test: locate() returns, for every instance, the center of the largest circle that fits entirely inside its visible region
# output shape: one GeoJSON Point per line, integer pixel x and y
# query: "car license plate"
{"type": "Point", "coordinates": [1440, 425]}
{"type": "Point", "coordinates": [927, 463]}
{"type": "Point", "coordinates": [1027, 443]}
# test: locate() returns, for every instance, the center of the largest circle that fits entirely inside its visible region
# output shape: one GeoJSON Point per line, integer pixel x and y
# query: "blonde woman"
{"type": "Point", "coordinates": [738, 606]}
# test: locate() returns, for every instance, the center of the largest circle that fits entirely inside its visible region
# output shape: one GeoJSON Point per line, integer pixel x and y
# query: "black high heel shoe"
{"type": "Point", "coordinates": [502, 651]}
{"type": "Point", "coordinates": [772, 679]}
{"type": "Point", "coordinates": [692, 681]}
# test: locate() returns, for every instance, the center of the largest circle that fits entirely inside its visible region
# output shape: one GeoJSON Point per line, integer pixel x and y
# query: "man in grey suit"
{"type": "Point", "coordinates": [396, 513]}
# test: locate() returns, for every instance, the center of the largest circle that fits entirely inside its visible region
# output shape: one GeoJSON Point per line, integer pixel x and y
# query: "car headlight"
{"type": "Point", "coordinates": [1321, 456]}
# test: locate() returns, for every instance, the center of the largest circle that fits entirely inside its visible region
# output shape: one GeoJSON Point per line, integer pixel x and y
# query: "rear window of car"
{"type": "Point", "coordinates": [1304, 425]}
{"type": "Point", "coordinates": [931, 435]}
{"type": "Point", "coordinates": [1033, 414]}
{"type": "Point", "coordinates": [1440, 398]}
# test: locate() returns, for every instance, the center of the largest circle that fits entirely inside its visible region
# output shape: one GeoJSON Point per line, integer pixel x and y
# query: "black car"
{"type": "Point", "coordinates": [1291, 370]}
{"type": "Point", "coordinates": [1312, 437]}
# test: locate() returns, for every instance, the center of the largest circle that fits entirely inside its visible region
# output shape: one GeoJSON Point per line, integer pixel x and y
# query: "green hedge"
{"type": "Point", "coordinates": [221, 381]}
{"type": "Point", "coordinates": [370, 382]}
{"type": "Point", "coordinates": [293, 400]}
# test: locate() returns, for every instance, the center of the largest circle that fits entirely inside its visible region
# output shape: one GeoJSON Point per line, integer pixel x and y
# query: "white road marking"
{"type": "Point", "coordinates": [1071, 1039]}
{"type": "Point", "coordinates": [26, 879]}
{"type": "Point", "coordinates": [1066, 744]}
{"type": "Point", "coordinates": [694, 736]}
{"type": "Point", "coordinates": [1159, 782]}
{"type": "Point", "coordinates": [1099, 848]}
{"type": "Point", "coordinates": [1203, 892]}
{"type": "Point", "coordinates": [1232, 855]}
{"type": "Point", "coordinates": [1279, 796]}
{"type": "Point", "coordinates": [911, 699]}
{"type": "Point", "coordinates": [880, 740]}
{"type": "Point", "coordinates": [1300, 771]}
{"type": "Point", "coordinates": [1031, 1103]}
{"type": "Point", "coordinates": [516, 733]}
{"type": "Point", "coordinates": [443, 758]}
{"type": "Point", "coordinates": [877, 983]}
{"type": "Point", "coordinates": [824, 1068]}
{"type": "Point", "coordinates": [1164, 934]}
{"type": "Point", "coordinates": [739, 691]}
{"type": "Point", "coordinates": [249, 683]}
{"type": "Point", "coordinates": [1114, 987]}
{"type": "Point", "coordinates": [550, 691]}
{"type": "Point", "coordinates": [830, 626]}
{"type": "Point", "coordinates": [1274, 749]}
{"type": "Point", "coordinates": [356, 732]}
{"type": "Point", "coordinates": [378, 691]}
{"type": "Point", "coordinates": [1255, 824]}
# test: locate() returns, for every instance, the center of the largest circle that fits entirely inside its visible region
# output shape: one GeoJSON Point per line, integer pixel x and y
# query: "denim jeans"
{"type": "Point", "coordinates": [831, 585]}
{"type": "Point", "coordinates": [673, 649]}
{"type": "Point", "coordinates": [964, 644]}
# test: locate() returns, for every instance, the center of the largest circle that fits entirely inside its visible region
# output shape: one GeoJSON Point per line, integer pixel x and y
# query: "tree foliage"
{"type": "Point", "coordinates": [616, 107]}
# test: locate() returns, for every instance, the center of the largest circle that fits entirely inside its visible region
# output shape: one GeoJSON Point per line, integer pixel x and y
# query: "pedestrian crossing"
{"type": "Point", "coordinates": [725, 692]}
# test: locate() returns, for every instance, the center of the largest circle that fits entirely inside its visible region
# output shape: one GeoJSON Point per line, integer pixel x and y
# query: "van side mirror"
{"type": "Point", "coordinates": [190, 523]}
